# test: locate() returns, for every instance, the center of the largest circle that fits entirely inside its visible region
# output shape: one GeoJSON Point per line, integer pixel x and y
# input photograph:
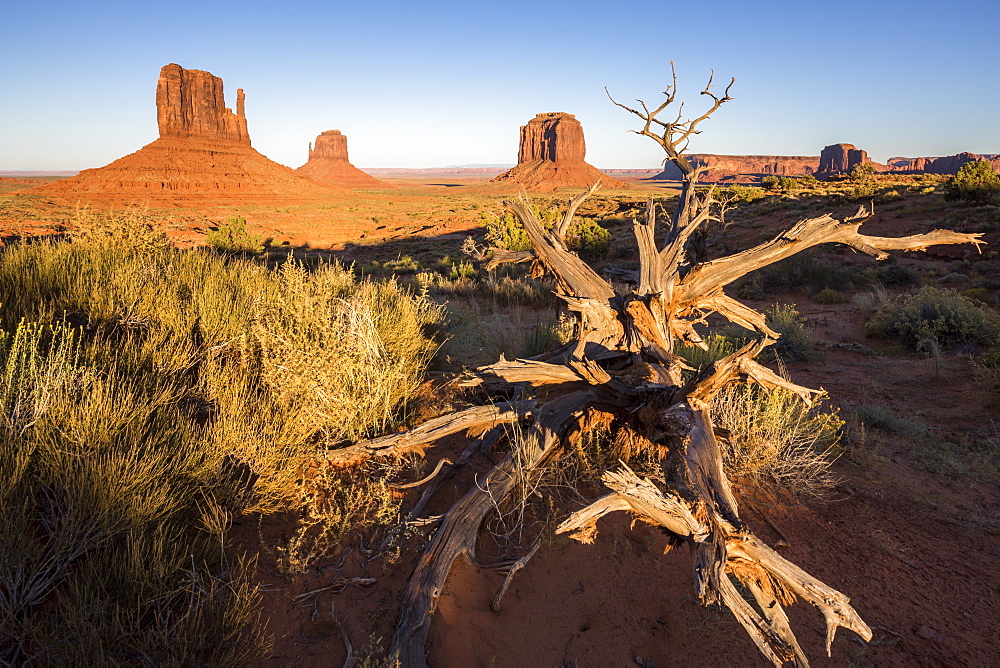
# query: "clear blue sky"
{"type": "Point", "coordinates": [419, 84]}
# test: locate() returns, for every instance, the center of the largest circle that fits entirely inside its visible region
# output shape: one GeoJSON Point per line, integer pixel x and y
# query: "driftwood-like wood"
{"type": "Point", "coordinates": [459, 530]}
{"type": "Point", "coordinates": [622, 362]}
{"type": "Point", "coordinates": [477, 417]}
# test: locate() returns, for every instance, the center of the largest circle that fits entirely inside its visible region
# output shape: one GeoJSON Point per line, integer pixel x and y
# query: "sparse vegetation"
{"type": "Point", "coordinates": [935, 315]}
{"type": "Point", "coordinates": [149, 397]}
{"type": "Point", "coordinates": [232, 236]}
{"type": "Point", "coordinates": [975, 181]}
{"type": "Point", "coordinates": [776, 443]}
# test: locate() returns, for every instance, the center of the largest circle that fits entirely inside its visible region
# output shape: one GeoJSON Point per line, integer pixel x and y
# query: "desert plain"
{"type": "Point", "coordinates": [906, 525]}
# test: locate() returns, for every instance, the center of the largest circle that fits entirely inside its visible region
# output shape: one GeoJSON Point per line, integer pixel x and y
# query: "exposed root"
{"type": "Point", "coordinates": [514, 568]}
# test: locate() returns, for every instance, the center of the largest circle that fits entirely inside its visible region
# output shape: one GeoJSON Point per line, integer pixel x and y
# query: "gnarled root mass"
{"type": "Point", "coordinates": [622, 363]}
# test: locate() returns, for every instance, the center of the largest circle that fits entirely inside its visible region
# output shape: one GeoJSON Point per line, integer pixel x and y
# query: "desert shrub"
{"type": "Point", "coordinates": [800, 271]}
{"type": "Point", "coordinates": [932, 314]}
{"type": "Point", "coordinates": [776, 442]}
{"type": "Point", "coordinates": [337, 502]}
{"type": "Point", "coordinates": [897, 274]}
{"type": "Point", "coordinates": [505, 231]}
{"type": "Point", "coordinates": [162, 393]}
{"type": "Point", "coordinates": [975, 181]}
{"type": "Point", "coordinates": [880, 417]}
{"type": "Point", "coordinates": [784, 184]}
{"type": "Point", "coordinates": [232, 236]}
{"type": "Point", "coordinates": [104, 552]}
{"type": "Point", "coordinates": [862, 173]}
{"type": "Point", "coordinates": [740, 193]}
{"type": "Point", "coordinates": [797, 343]}
{"type": "Point", "coordinates": [588, 238]}
{"type": "Point", "coordinates": [718, 345]}
{"type": "Point", "coordinates": [829, 296]}
{"type": "Point", "coordinates": [584, 235]}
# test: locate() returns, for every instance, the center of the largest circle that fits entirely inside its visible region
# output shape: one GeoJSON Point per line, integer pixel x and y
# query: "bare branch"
{"type": "Point", "coordinates": [477, 417]}
{"type": "Point", "coordinates": [706, 278]}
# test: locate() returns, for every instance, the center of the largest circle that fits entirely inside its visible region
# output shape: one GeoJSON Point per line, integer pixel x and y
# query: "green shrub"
{"type": "Point", "coordinates": [740, 193]}
{"type": "Point", "coordinates": [797, 343]}
{"type": "Point", "coordinates": [588, 238]}
{"type": "Point", "coordinates": [829, 296]}
{"type": "Point", "coordinates": [584, 235]}
{"type": "Point", "coordinates": [717, 346]}
{"type": "Point", "coordinates": [975, 181]}
{"type": "Point", "coordinates": [776, 442]}
{"type": "Point", "coordinates": [935, 315]}
{"type": "Point", "coordinates": [862, 173]}
{"type": "Point", "coordinates": [163, 393]}
{"type": "Point", "coordinates": [232, 237]}
{"type": "Point", "coordinates": [783, 184]}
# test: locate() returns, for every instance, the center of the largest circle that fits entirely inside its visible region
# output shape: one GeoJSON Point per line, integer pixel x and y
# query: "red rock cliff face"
{"type": "Point", "coordinates": [551, 155]}
{"type": "Point", "coordinates": [555, 136]}
{"type": "Point", "coordinates": [328, 164]}
{"type": "Point", "coordinates": [840, 159]}
{"type": "Point", "coordinates": [190, 103]}
{"type": "Point", "coordinates": [331, 145]}
{"type": "Point", "coordinates": [730, 167]}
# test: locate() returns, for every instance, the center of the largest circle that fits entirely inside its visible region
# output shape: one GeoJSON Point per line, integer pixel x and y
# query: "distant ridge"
{"type": "Point", "coordinates": [476, 165]}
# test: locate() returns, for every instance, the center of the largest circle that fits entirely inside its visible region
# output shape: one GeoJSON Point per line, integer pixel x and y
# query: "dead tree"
{"type": "Point", "coordinates": [622, 364]}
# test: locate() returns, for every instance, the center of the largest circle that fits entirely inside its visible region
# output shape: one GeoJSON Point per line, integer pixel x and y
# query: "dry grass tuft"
{"type": "Point", "coordinates": [776, 443]}
{"type": "Point", "coordinates": [148, 397]}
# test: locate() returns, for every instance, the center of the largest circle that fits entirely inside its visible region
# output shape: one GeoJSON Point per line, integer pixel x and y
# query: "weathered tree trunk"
{"type": "Point", "coordinates": [622, 361]}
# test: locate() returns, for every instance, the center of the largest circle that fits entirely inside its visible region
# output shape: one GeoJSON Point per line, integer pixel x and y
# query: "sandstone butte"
{"type": "Point", "coordinates": [551, 155]}
{"type": "Point", "coordinates": [840, 159]}
{"type": "Point", "coordinates": [203, 152]}
{"type": "Point", "coordinates": [328, 163]}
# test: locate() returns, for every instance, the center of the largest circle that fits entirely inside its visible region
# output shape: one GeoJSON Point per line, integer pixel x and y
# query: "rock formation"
{"type": "Point", "coordinates": [736, 167]}
{"type": "Point", "coordinates": [203, 152]}
{"type": "Point", "coordinates": [328, 164]}
{"type": "Point", "coordinates": [551, 155]}
{"type": "Point", "coordinates": [946, 165]}
{"type": "Point", "coordinates": [837, 159]}
{"type": "Point", "coordinates": [840, 159]}
{"type": "Point", "coordinates": [189, 103]}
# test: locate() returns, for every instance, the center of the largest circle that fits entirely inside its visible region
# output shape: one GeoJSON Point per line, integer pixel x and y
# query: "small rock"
{"type": "Point", "coordinates": [929, 634]}
{"type": "Point", "coordinates": [954, 277]}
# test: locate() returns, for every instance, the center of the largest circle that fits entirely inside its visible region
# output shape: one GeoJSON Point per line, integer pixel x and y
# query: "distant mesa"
{"type": "Point", "coordinates": [551, 155]}
{"type": "Point", "coordinates": [203, 151]}
{"type": "Point", "coordinates": [949, 164]}
{"type": "Point", "coordinates": [742, 168]}
{"type": "Point", "coordinates": [328, 164]}
{"type": "Point", "coordinates": [840, 159]}
{"type": "Point", "coordinates": [836, 160]}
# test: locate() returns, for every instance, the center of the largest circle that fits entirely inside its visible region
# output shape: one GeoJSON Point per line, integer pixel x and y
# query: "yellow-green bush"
{"type": "Point", "coordinates": [934, 315]}
{"type": "Point", "coordinates": [156, 394]}
{"type": "Point", "coordinates": [776, 442]}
